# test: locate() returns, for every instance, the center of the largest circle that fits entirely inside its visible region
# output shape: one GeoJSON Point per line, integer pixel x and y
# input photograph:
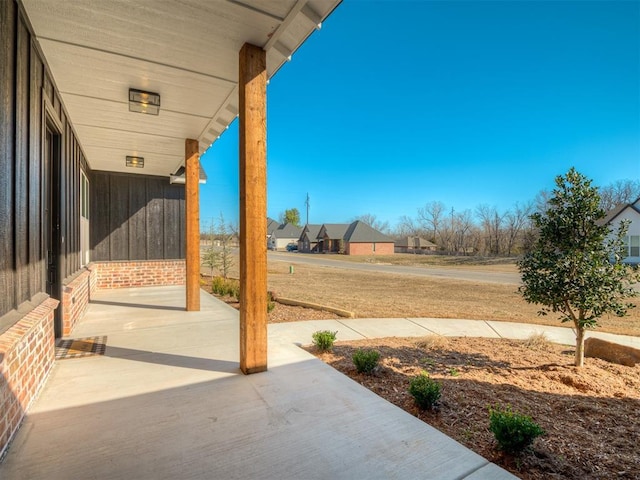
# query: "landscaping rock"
{"type": "Point", "coordinates": [611, 352]}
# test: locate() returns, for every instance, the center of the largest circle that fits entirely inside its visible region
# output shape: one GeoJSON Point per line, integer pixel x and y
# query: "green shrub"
{"type": "Point", "coordinates": [225, 287]}
{"type": "Point", "coordinates": [425, 391]}
{"type": "Point", "coordinates": [365, 360]}
{"type": "Point", "coordinates": [233, 289]}
{"type": "Point", "coordinates": [513, 431]}
{"type": "Point", "coordinates": [323, 340]}
{"type": "Point", "coordinates": [217, 285]}
{"type": "Point", "coordinates": [270, 303]}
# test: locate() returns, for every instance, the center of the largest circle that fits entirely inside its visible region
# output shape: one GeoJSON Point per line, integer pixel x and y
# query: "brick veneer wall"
{"type": "Point", "coordinates": [367, 249]}
{"type": "Point", "coordinates": [93, 279]}
{"type": "Point", "coordinates": [75, 299]}
{"type": "Point", "coordinates": [27, 353]}
{"type": "Point", "coordinates": [142, 273]}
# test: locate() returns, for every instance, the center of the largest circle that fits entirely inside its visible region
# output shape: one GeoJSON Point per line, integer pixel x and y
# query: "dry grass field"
{"type": "Point", "coordinates": [488, 264]}
{"type": "Point", "coordinates": [375, 295]}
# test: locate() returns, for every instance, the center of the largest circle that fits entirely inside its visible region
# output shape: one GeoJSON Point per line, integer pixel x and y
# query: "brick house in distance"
{"type": "Point", "coordinates": [308, 241]}
{"type": "Point", "coordinates": [356, 238]}
{"type": "Point", "coordinates": [414, 244]}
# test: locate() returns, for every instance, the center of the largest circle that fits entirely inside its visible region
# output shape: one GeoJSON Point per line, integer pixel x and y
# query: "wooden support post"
{"type": "Point", "coordinates": [253, 209]}
{"type": "Point", "coordinates": [192, 200]}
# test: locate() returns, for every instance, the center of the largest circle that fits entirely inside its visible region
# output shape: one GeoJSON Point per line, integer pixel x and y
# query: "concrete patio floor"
{"type": "Point", "coordinates": [167, 400]}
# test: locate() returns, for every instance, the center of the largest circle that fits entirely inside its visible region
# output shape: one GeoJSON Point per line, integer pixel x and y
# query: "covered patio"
{"type": "Point", "coordinates": [167, 400]}
{"type": "Point", "coordinates": [147, 87]}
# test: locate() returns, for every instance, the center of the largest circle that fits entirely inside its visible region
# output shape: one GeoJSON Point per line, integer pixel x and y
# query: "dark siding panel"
{"type": "Point", "coordinates": [75, 201]}
{"type": "Point", "coordinates": [119, 224]}
{"type": "Point", "coordinates": [137, 220]}
{"type": "Point", "coordinates": [7, 134]}
{"type": "Point", "coordinates": [99, 217]}
{"type": "Point", "coordinates": [21, 198]}
{"type": "Point", "coordinates": [72, 209]}
{"type": "Point", "coordinates": [75, 232]}
{"type": "Point", "coordinates": [36, 262]}
{"type": "Point", "coordinates": [64, 180]}
{"type": "Point", "coordinates": [62, 259]}
{"type": "Point", "coordinates": [155, 220]}
{"type": "Point", "coordinates": [22, 176]}
{"type": "Point", "coordinates": [183, 222]}
{"type": "Point", "coordinates": [68, 160]}
{"type": "Point", "coordinates": [69, 201]}
{"type": "Point", "coordinates": [135, 217]}
{"type": "Point", "coordinates": [172, 221]}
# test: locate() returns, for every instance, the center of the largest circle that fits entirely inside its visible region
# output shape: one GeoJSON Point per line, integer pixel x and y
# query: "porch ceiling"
{"type": "Point", "coordinates": [186, 50]}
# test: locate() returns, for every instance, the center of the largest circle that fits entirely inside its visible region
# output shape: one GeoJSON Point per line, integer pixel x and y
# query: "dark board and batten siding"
{"type": "Point", "coordinates": [25, 90]}
{"type": "Point", "coordinates": [7, 151]}
{"type": "Point", "coordinates": [136, 217]}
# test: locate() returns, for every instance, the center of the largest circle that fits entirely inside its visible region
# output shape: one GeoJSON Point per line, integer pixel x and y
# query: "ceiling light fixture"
{"type": "Point", "coordinates": [144, 102]}
{"type": "Point", "coordinates": [136, 162]}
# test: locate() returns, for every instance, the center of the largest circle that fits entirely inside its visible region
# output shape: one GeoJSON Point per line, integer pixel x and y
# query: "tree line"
{"type": "Point", "coordinates": [487, 230]}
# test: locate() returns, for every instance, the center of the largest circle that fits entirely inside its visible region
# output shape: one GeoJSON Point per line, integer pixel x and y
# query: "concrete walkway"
{"type": "Point", "coordinates": [167, 401]}
{"type": "Point", "coordinates": [360, 328]}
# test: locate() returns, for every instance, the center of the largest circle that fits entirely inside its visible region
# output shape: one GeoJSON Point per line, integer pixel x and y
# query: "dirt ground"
{"type": "Point", "coordinates": [589, 414]}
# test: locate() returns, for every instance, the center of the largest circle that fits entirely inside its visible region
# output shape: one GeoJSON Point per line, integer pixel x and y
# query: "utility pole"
{"type": "Point", "coordinates": [307, 204]}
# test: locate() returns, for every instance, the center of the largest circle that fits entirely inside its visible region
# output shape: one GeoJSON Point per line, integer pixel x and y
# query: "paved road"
{"type": "Point", "coordinates": [457, 274]}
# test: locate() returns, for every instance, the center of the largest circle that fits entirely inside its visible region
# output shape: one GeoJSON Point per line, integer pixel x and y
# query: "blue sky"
{"type": "Point", "coordinates": [395, 104]}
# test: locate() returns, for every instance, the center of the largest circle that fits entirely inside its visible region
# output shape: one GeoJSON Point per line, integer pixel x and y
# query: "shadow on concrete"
{"type": "Point", "coordinates": [174, 360]}
{"type": "Point", "coordinates": [138, 305]}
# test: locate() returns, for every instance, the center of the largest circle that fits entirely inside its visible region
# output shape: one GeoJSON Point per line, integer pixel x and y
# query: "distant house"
{"type": "Point", "coordinates": [272, 226]}
{"type": "Point", "coordinates": [414, 244]}
{"type": "Point", "coordinates": [331, 237]}
{"type": "Point", "coordinates": [631, 212]}
{"type": "Point", "coordinates": [282, 236]}
{"type": "Point", "coordinates": [308, 241]}
{"type": "Point", "coordinates": [356, 238]}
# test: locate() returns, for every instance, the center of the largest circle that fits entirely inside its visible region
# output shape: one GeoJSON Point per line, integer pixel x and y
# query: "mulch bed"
{"type": "Point", "coordinates": [590, 414]}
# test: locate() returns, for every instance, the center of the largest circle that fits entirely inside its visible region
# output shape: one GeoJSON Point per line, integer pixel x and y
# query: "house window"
{"type": "Point", "coordinates": [84, 219]}
{"type": "Point", "coordinates": [632, 245]}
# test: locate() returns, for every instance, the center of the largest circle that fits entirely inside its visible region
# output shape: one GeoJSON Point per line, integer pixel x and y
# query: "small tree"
{"type": "Point", "coordinates": [210, 254]}
{"type": "Point", "coordinates": [291, 216]}
{"type": "Point", "coordinates": [225, 255]}
{"type": "Point", "coordinates": [219, 254]}
{"type": "Point", "coordinates": [574, 268]}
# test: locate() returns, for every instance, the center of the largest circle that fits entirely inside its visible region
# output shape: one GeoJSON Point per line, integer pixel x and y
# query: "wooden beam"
{"type": "Point", "coordinates": [253, 209]}
{"type": "Point", "coordinates": [192, 200]}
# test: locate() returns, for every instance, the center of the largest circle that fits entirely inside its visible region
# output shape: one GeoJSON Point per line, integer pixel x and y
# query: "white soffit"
{"type": "Point", "coordinates": [187, 51]}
